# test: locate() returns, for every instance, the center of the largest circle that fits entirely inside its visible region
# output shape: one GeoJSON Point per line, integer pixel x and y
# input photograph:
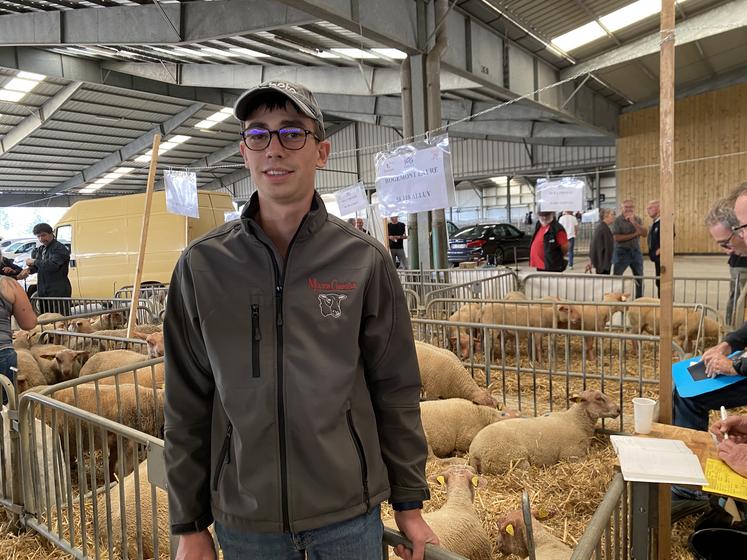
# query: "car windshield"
{"type": "Point", "coordinates": [472, 232]}
{"type": "Point", "coordinates": [13, 247]}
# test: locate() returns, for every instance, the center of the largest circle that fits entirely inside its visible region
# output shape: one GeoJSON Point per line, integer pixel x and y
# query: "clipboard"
{"type": "Point", "coordinates": [691, 384]}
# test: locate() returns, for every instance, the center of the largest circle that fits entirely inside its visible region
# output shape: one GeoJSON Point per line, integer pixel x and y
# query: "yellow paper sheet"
{"type": "Point", "coordinates": [722, 480]}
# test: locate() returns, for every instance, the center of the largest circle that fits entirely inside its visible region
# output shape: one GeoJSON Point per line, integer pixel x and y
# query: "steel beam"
{"type": "Point", "coordinates": [34, 121]}
{"type": "Point", "coordinates": [227, 180]}
{"type": "Point", "coordinates": [713, 22]}
{"type": "Point", "coordinates": [128, 151]}
{"type": "Point", "coordinates": [180, 23]}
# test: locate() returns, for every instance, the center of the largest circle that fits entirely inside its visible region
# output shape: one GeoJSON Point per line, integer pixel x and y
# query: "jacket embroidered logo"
{"type": "Point", "coordinates": [330, 304]}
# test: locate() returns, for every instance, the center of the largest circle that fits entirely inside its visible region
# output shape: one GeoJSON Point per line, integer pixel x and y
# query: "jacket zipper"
{"type": "Point", "coordinates": [225, 456]}
{"type": "Point", "coordinates": [256, 338]}
{"type": "Point", "coordinates": [361, 457]}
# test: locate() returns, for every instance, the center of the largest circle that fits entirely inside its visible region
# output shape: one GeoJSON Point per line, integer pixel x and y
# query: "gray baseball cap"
{"type": "Point", "coordinates": [297, 93]}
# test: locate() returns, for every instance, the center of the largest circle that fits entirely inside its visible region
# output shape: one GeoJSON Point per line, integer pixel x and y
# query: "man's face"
{"type": "Point", "coordinates": [359, 223]}
{"type": "Point", "coordinates": [282, 175]}
{"type": "Point", "coordinates": [394, 219]}
{"type": "Point", "coordinates": [545, 218]}
{"type": "Point", "coordinates": [653, 211]}
{"type": "Point", "coordinates": [729, 241]}
{"type": "Point", "coordinates": [628, 209]}
{"type": "Point", "coordinates": [740, 209]}
{"type": "Point", "coordinates": [45, 238]}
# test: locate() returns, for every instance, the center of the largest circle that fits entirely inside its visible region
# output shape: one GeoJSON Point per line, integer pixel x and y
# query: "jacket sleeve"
{"type": "Point", "coordinates": [393, 377]}
{"type": "Point", "coordinates": [737, 339]}
{"type": "Point", "coordinates": [56, 260]}
{"type": "Point", "coordinates": [187, 408]}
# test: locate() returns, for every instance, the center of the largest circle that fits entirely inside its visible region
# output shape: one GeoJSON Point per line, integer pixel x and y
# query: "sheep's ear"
{"type": "Point", "coordinates": [564, 308]}
{"type": "Point", "coordinates": [542, 513]}
{"type": "Point", "coordinates": [48, 356]}
{"type": "Point", "coordinates": [82, 354]}
{"type": "Point", "coordinates": [576, 398]}
{"type": "Point", "coordinates": [625, 297]}
{"type": "Point", "coordinates": [141, 336]}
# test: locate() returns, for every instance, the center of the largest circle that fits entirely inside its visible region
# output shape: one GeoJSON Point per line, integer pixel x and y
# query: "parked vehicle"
{"type": "Point", "coordinates": [492, 243]}
{"type": "Point", "coordinates": [104, 235]}
{"type": "Point", "coordinates": [19, 247]}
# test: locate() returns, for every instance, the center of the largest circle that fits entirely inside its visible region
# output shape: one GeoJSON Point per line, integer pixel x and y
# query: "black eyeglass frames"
{"type": "Point", "coordinates": [291, 137]}
{"type": "Point", "coordinates": [737, 229]}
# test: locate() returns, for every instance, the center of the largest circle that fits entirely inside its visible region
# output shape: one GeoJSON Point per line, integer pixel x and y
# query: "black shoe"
{"type": "Point", "coordinates": [683, 507]}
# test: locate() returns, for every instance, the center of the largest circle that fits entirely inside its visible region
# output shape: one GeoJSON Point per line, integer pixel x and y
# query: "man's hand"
{"type": "Point", "coordinates": [23, 274]}
{"type": "Point", "coordinates": [735, 426]}
{"type": "Point", "coordinates": [721, 349]}
{"type": "Point", "coordinates": [734, 454]}
{"type": "Point", "coordinates": [8, 270]}
{"type": "Point", "coordinates": [414, 527]}
{"type": "Point", "coordinates": [720, 365]}
{"type": "Point", "coordinates": [30, 262]}
{"type": "Point", "coordinates": [196, 546]}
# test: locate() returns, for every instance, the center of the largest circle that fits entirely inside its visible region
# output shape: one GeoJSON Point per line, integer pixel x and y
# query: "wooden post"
{"type": "Point", "coordinates": [143, 235]}
{"type": "Point", "coordinates": [666, 198]}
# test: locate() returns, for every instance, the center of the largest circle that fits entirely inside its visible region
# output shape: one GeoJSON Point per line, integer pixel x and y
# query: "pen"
{"type": "Point", "coordinates": [723, 417]}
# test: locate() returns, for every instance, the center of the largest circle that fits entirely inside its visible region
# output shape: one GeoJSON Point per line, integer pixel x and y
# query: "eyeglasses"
{"type": "Point", "coordinates": [737, 229]}
{"type": "Point", "coordinates": [291, 138]}
{"type": "Point", "coordinates": [726, 243]}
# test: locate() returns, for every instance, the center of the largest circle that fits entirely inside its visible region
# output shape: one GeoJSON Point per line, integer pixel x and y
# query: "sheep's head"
{"type": "Point", "coordinates": [80, 326]}
{"type": "Point", "coordinates": [508, 413]}
{"type": "Point", "coordinates": [22, 339]}
{"type": "Point", "coordinates": [616, 296]}
{"type": "Point", "coordinates": [569, 314]}
{"type": "Point", "coordinates": [485, 398]}
{"type": "Point", "coordinates": [68, 362]}
{"type": "Point", "coordinates": [155, 343]}
{"type": "Point", "coordinates": [459, 476]}
{"type": "Point", "coordinates": [512, 532]}
{"type": "Point", "coordinates": [598, 405]}
{"type": "Point", "coordinates": [113, 320]}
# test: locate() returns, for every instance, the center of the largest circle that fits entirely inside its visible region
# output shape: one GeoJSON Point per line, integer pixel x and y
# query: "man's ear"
{"type": "Point", "coordinates": [323, 150]}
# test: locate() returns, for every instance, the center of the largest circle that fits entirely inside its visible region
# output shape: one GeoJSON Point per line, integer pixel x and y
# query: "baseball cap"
{"type": "Point", "coordinates": [298, 94]}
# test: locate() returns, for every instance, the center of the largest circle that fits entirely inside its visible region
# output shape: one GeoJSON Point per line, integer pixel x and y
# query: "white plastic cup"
{"type": "Point", "coordinates": [643, 414]}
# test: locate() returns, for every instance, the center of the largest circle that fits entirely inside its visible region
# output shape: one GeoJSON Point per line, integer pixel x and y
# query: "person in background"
{"type": "Point", "coordinates": [9, 268]}
{"type": "Point", "coordinates": [653, 209]}
{"type": "Point", "coordinates": [569, 223]}
{"type": "Point", "coordinates": [13, 303]}
{"type": "Point", "coordinates": [359, 225]}
{"type": "Point", "coordinates": [549, 244]}
{"type": "Point", "coordinates": [397, 234]}
{"type": "Point", "coordinates": [627, 230]}
{"type": "Point", "coordinates": [602, 243]}
{"type": "Point", "coordinates": [50, 262]}
{"type": "Point", "coordinates": [720, 220]}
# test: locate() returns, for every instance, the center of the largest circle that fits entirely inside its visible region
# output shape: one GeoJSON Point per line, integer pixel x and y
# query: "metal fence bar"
{"type": "Point", "coordinates": [598, 529]}
{"type": "Point", "coordinates": [393, 538]}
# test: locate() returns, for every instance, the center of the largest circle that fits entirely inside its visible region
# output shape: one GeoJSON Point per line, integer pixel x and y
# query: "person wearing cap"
{"type": "Point", "coordinates": [292, 392]}
{"type": "Point", "coordinates": [549, 244]}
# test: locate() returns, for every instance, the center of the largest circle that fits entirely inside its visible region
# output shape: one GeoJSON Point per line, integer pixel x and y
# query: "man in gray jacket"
{"type": "Point", "coordinates": [292, 385]}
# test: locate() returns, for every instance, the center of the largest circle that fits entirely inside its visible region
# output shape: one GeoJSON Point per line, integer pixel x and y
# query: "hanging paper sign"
{"type": "Point", "coordinates": [230, 216]}
{"type": "Point", "coordinates": [415, 178]}
{"type": "Point", "coordinates": [181, 193]}
{"type": "Point", "coordinates": [558, 195]}
{"type": "Point", "coordinates": [590, 216]}
{"type": "Point", "coordinates": [351, 199]}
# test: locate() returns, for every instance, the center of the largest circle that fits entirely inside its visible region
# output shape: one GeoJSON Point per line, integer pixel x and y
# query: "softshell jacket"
{"type": "Point", "coordinates": [52, 264]}
{"type": "Point", "coordinates": [292, 389]}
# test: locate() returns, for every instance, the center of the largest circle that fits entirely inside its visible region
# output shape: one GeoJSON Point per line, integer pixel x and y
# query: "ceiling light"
{"type": "Point", "coordinates": [355, 53]}
{"type": "Point", "coordinates": [579, 36]}
{"type": "Point", "coordinates": [219, 52]}
{"type": "Point", "coordinates": [87, 190]}
{"type": "Point", "coordinates": [189, 52]}
{"type": "Point", "coordinates": [391, 53]}
{"type": "Point", "coordinates": [179, 139]}
{"type": "Point", "coordinates": [7, 95]}
{"type": "Point", "coordinates": [144, 158]}
{"type": "Point", "coordinates": [500, 180]}
{"type": "Point", "coordinates": [19, 84]}
{"type": "Point", "coordinates": [319, 53]}
{"type": "Point", "coordinates": [248, 52]}
{"type": "Point", "coordinates": [630, 14]}
{"type": "Point", "coordinates": [31, 76]}
{"type": "Point", "coordinates": [206, 124]}
{"type": "Point", "coordinates": [228, 110]}
{"type": "Point", "coordinates": [124, 170]}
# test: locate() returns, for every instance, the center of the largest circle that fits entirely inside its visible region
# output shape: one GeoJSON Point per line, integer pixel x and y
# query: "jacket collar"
{"type": "Point", "coordinates": [312, 222]}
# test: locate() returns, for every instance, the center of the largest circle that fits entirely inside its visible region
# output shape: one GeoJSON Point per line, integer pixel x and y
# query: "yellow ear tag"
{"type": "Point", "coordinates": [475, 480]}
{"type": "Point", "coordinates": [510, 529]}
{"type": "Point", "coordinates": [542, 513]}
{"type": "Point", "coordinates": [441, 479]}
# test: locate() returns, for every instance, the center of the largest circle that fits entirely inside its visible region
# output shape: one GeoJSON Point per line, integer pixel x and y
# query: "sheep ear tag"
{"type": "Point", "coordinates": [475, 480]}
{"type": "Point", "coordinates": [510, 529]}
{"type": "Point", "coordinates": [542, 513]}
{"type": "Point", "coordinates": [441, 480]}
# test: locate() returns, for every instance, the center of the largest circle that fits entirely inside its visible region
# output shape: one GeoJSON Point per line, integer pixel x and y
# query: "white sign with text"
{"type": "Point", "coordinates": [181, 193]}
{"type": "Point", "coordinates": [558, 195]}
{"type": "Point", "coordinates": [351, 199]}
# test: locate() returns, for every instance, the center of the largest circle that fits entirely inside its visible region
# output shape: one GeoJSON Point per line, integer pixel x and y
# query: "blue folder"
{"type": "Point", "coordinates": [689, 387]}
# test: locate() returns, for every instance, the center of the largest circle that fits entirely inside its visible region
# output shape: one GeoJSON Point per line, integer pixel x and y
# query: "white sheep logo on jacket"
{"type": "Point", "coordinates": [330, 304]}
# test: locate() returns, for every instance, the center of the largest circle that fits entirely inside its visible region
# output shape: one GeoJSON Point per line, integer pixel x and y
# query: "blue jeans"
{"type": "Point", "coordinates": [571, 244]}
{"type": "Point", "coordinates": [8, 359]}
{"type": "Point", "coordinates": [625, 257]}
{"type": "Point", "coordinates": [692, 412]}
{"type": "Point", "coordinates": [358, 538]}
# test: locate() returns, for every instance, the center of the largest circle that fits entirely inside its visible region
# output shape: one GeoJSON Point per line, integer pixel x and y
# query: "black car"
{"type": "Point", "coordinates": [493, 243]}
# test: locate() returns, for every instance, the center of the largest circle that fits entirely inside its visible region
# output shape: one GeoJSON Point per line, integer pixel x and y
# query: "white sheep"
{"type": "Point", "coordinates": [460, 337]}
{"type": "Point", "coordinates": [29, 373]}
{"type": "Point", "coordinates": [595, 318]}
{"type": "Point", "coordinates": [111, 359]}
{"type": "Point", "coordinates": [512, 539]}
{"type": "Point", "coordinates": [456, 524]}
{"type": "Point", "coordinates": [451, 424]}
{"type": "Point", "coordinates": [443, 376]}
{"type": "Point", "coordinates": [541, 441]}
{"type": "Point", "coordinates": [58, 363]}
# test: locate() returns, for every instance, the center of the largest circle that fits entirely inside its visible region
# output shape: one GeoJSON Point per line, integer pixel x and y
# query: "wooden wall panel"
{"type": "Point", "coordinates": [707, 125]}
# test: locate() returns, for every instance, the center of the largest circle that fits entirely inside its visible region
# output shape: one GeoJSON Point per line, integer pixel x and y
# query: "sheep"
{"type": "Point", "coordinates": [467, 313]}
{"type": "Point", "coordinates": [81, 326]}
{"type": "Point", "coordinates": [443, 376]}
{"type": "Point", "coordinates": [24, 340]}
{"type": "Point", "coordinates": [685, 321]}
{"type": "Point", "coordinates": [113, 320]}
{"type": "Point", "coordinates": [111, 359]}
{"type": "Point", "coordinates": [544, 440]}
{"type": "Point", "coordinates": [596, 318]}
{"type": "Point", "coordinates": [451, 424]}
{"type": "Point", "coordinates": [543, 315]}
{"type": "Point", "coordinates": [58, 363]}
{"type": "Point", "coordinates": [29, 373]}
{"type": "Point", "coordinates": [137, 504]}
{"type": "Point", "coordinates": [512, 539]}
{"type": "Point", "coordinates": [456, 523]}
{"type": "Point", "coordinates": [144, 376]}
{"type": "Point", "coordinates": [156, 347]}
{"type": "Point", "coordinates": [139, 407]}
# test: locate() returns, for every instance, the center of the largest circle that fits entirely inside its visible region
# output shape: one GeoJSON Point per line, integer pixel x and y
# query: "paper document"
{"type": "Point", "coordinates": [722, 480]}
{"type": "Point", "coordinates": [657, 460]}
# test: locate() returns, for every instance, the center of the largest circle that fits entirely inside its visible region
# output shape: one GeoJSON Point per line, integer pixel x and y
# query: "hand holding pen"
{"type": "Point", "coordinates": [735, 426]}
